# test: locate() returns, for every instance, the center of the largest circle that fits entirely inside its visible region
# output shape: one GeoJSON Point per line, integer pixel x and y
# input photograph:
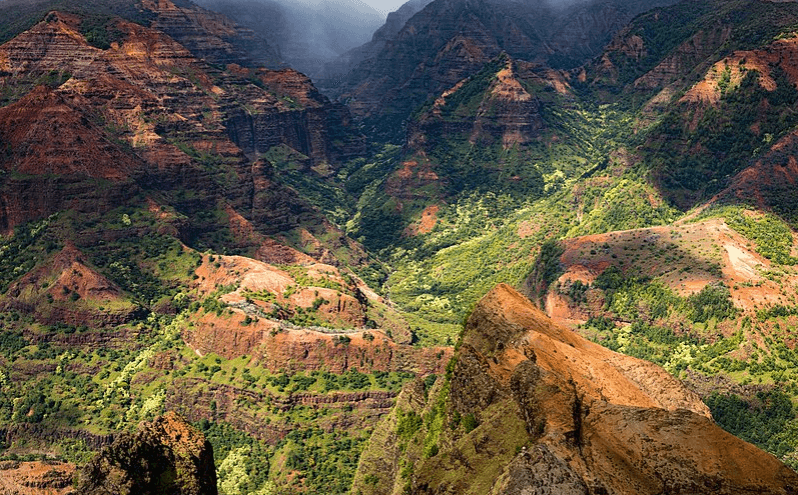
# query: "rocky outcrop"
{"type": "Point", "coordinates": [296, 116]}
{"type": "Point", "coordinates": [280, 347]}
{"type": "Point", "coordinates": [166, 456]}
{"type": "Point", "coordinates": [508, 113]}
{"type": "Point", "coordinates": [36, 478]}
{"type": "Point", "coordinates": [197, 399]}
{"type": "Point", "coordinates": [669, 48]}
{"type": "Point", "coordinates": [575, 418]}
{"type": "Point", "coordinates": [51, 435]}
{"type": "Point", "coordinates": [489, 122]}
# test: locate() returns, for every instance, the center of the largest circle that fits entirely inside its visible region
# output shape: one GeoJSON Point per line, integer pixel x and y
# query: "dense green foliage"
{"type": "Point", "coordinates": [772, 236]}
{"type": "Point", "coordinates": [762, 420]}
{"type": "Point", "coordinates": [20, 251]}
{"type": "Point", "coordinates": [100, 31]}
{"type": "Point", "coordinates": [725, 138]}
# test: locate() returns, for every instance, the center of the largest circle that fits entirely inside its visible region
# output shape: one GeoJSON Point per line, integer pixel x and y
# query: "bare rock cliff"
{"type": "Point", "coordinates": [533, 408]}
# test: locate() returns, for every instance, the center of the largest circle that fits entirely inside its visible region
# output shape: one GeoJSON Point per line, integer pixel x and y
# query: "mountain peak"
{"type": "Point", "coordinates": [505, 325]}
{"type": "Point", "coordinates": [534, 408]}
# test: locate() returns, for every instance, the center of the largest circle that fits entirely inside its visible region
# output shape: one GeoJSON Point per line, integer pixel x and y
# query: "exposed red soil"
{"type": "Point", "coordinates": [425, 224]}
{"type": "Point", "coordinates": [66, 290]}
{"type": "Point", "coordinates": [279, 347]}
{"type": "Point", "coordinates": [46, 135]}
{"type": "Point", "coordinates": [244, 328]}
{"type": "Point", "coordinates": [679, 256]}
{"type": "Point", "coordinates": [36, 478]}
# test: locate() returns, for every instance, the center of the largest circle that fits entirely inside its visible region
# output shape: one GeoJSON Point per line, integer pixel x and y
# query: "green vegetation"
{"type": "Point", "coordinates": [99, 31]}
{"type": "Point", "coordinates": [448, 218]}
{"type": "Point", "coordinates": [772, 236]}
{"type": "Point", "coordinates": [466, 100]}
{"type": "Point", "coordinates": [242, 461]}
{"type": "Point", "coordinates": [767, 420]}
{"type": "Point", "coordinates": [130, 388]}
{"type": "Point", "coordinates": [20, 251]}
{"type": "Point", "coordinates": [722, 142]}
{"type": "Point", "coordinates": [151, 267]}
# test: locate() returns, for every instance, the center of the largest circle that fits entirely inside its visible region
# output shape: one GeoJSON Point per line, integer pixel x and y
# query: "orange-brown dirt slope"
{"type": "Point", "coordinates": [262, 319]}
{"type": "Point", "coordinates": [36, 478]}
{"type": "Point", "coordinates": [685, 257]}
{"type": "Point", "coordinates": [556, 413]}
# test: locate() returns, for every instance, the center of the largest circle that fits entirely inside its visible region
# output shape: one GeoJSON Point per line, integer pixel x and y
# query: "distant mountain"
{"type": "Point", "coordinates": [207, 34]}
{"type": "Point", "coordinates": [307, 34]}
{"type": "Point", "coordinates": [336, 69]}
{"type": "Point", "coordinates": [715, 82]}
{"type": "Point", "coordinates": [452, 39]}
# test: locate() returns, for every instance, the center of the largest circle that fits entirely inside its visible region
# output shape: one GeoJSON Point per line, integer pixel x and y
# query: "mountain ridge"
{"type": "Point", "coordinates": [515, 366]}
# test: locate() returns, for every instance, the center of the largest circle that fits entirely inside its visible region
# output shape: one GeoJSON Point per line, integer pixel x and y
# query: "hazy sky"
{"type": "Point", "coordinates": [385, 6]}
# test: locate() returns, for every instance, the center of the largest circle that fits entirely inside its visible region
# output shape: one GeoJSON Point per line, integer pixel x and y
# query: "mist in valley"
{"type": "Point", "coordinates": [308, 33]}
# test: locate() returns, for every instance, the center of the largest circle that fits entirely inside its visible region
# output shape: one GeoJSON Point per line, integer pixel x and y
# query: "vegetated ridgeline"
{"type": "Point", "coordinates": [531, 408]}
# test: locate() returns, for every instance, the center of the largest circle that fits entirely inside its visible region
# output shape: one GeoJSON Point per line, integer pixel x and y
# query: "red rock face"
{"type": "Point", "coordinates": [211, 36]}
{"type": "Point", "coordinates": [506, 115]}
{"type": "Point", "coordinates": [449, 40]}
{"type": "Point", "coordinates": [66, 290]}
{"type": "Point", "coordinates": [595, 403]}
{"type": "Point", "coordinates": [37, 477]}
{"type": "Point", "coordinates": [46, 135]}
{"type": "Point", "coordinates": [166, 454]}
{"type": "Point", "coordinates": [146, 115]}
{"type": "Point", "coordinates": [287, 348]}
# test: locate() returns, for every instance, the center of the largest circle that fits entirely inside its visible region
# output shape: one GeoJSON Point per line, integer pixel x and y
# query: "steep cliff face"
{"type": "Point", "coordinates": [499, 109]}
{"type": "Point", "coordinates": [672, 46]}
{"type": "Point", "coordinates": [770, 182]}
{"type": "Point", "coordinates": [306, 34]}
{"type": "Point", "coordinates": [338, 68]}
{"type": "Point", "coordinates": [166, 455]}
{"type": "Point", "coordinates": [449, 40]}
{"type": "Point", "coordinates": [144, 116]}
{"type": "Point", "coordinates": [211, 36]}
{"type": "Point", "coordinates": [207, 34]}
{"type": "Point", "coordinates": [485, 133]}
{"type": "Point", "coordinates": [306, 121]}
{"type": "Point", "coordinates": [558, 414]}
